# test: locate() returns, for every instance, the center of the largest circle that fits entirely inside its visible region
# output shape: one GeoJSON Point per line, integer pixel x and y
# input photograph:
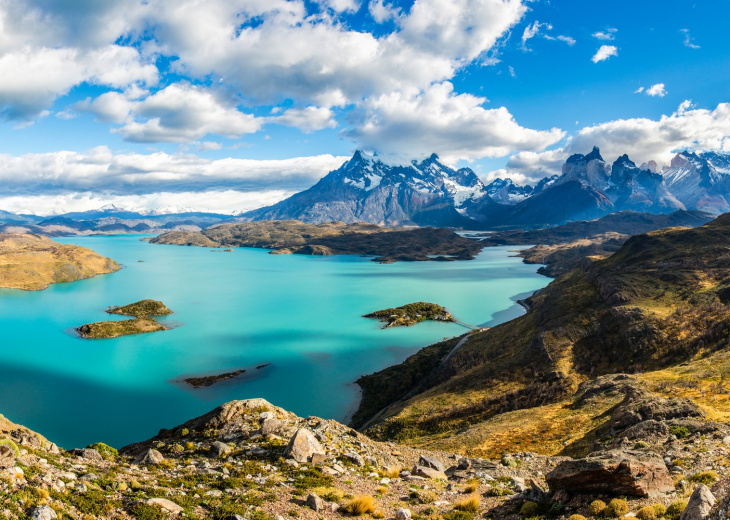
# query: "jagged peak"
{"type": "Point", "coordinates": [578, 158]}
{"type": "Point", "coordinates": [624, 161]}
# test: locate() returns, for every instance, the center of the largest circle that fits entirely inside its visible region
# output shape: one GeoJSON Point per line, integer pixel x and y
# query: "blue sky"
{"type": "Point", "coordinates": [232, 104]}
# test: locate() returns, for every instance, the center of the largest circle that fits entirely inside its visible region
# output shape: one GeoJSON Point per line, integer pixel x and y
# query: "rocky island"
{"type": "Point", "coordinates": [410, 314]}
{"type": "Point", "coordinates": [205, 381]}
{"type": "Point", "coordinates": [143, 311]}
{"type": "Point", "coordinates": [33, 262]}
{"type": "Point", "coordinates": [386, 245]}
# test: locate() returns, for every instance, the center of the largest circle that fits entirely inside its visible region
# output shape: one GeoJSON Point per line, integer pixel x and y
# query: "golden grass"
{"type": "Point", "coordinates": [360, 505]}
{"type": "Point", "coordinates": [470, 504]}
{"type": "Point", "coordinates": [471, 485]}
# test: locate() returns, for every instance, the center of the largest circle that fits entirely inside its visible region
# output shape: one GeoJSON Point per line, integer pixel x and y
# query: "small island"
{"type": "Point", "coordinates": [411, 314]}
{"type": "Point", "coordinates": [202, 382]}
{"type": "Point", "coordinates": [143, 322]}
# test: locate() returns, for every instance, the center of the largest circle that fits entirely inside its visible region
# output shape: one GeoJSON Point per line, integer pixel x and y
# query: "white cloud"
{"type": "Point", "coordinates": [656, 90]}
{"type": "Point", "coordinates": [456, 126]}
{"type": "Point", "coordinates": [340, 6]}
{"type": "Point", "coordinates": [604, 52]}
{"type": "Point", "coordinates": [567, 39]}
{"type": "Point", "coordinates": [646, 139]}
{"type": "Point", "coordinates": [533, 30]}
{"type": "Point", "coordinates": [639, 90]}
{"type": "Point", "coordinates": [530, 167]}
{"type": "Point", "coordinates": [688, 40]}
{"type": "Point", "coordinates": [307, 119]}
{"type": "Point", "coordinates": [607, 35]}
{"type": "Point", "coordinates": [212, 201]}
{"type": "Point", "coordinates": [382, 12]}
{"type": "Point", "coordinates": [129, 173]}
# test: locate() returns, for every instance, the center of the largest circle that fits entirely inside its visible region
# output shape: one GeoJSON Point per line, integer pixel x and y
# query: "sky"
{"type": "Point", "coordinates": [228, 105]}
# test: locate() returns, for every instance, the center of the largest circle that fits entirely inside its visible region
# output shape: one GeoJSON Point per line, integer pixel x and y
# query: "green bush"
{"type": "Point", "coordinates": [660, 510]}
{"type": "Point", "coordinates": [11, 444]}
{"type": "Point", "coordinates": [680, 432]}
{"type": "Point", "coordinates": [106, 451]}
{"type": "Point", "coordinates": [529, 509]}
{"type": "Point", "coordinates": [704, 477]}
{"type": "Point", "coordinates": [674, 511]}
{"type": "Point", "coordinates": [617, 508]}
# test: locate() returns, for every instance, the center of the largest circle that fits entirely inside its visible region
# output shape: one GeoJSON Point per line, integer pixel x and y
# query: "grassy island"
{"type": "Point", "coordinates": [411, 314]}
{"type": "Point", "coordinates": [143, 322]}
{"type": "Point", "coordinates": [141, 308]}
{"type": "Point", "coordinates": [114, 329]}
{"type": "Point", "coordinates": [201, 382]}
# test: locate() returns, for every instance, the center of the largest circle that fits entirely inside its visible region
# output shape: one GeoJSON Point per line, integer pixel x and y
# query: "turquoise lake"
{"type": "Point", "coordinates": [241, 309]}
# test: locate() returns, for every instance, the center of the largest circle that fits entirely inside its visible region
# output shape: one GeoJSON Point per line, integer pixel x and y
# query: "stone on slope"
{"type": "Point", "coordinates": [42, 513]}
{"type": "Point", "coordinates": [303, 445]}
{"type": "Point", "coordinates": [614, 472]}
{"type": "Point", "coordinates": [699, 505]}
{"type": "Point", "coordinates": [7, 456]}
{"type": "Point", "coordinates": [316, 503]}
{"type": "Point", "coordinates": [150, 456]}
{"type": "Point", "coordinates": [431, 462]}
{"type": "Point", "coordinates": [167, 505]}
{"type": "Point", "coordinates": [219, 449]}
{"type": "Point", "coordinates": [423, 471]}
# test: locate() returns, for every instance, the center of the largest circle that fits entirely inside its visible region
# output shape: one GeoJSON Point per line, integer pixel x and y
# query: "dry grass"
{"type": "Point", "coordinates": [470, 504]}
{"type": "Point", "coordinates": [390, 472]}
{"type": "Point", "coordinates": [360, 505]}
{"type": "Point", "coordinates": [471, 485]}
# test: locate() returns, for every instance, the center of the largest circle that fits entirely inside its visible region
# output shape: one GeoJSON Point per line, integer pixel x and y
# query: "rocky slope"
{"type": "Point", "coordinates": [334, 238]}
{"type": "Point", "coordinates": [249, 459]}
{"type": "Point", "coordinates": [658, 308]}
{"type": "Point", "coordinates": [32, 262]}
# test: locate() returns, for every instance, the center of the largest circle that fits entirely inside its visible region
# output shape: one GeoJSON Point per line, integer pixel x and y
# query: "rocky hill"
{"type": "Point", "coordinates": [32, 262]}
{"type": "Point", "coordinates": [657, 308]}
{"type": "Point", "coordinates": [250, 459]}
{"type": "Point", "coordinates": [334, 238]}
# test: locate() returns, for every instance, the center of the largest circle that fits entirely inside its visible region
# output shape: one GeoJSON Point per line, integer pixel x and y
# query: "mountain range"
{"type": "Point", "coordinates": [431, 193]}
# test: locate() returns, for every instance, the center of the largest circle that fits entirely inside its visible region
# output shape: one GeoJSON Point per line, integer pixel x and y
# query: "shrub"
{"type": "Point", "coordinates": [577, 517]}
{"type": "Point", "coordinates": [674, 511]}
{"type": "Point", "coordinates": [597, 508]}
{"type": "Point", "coordinates": [641, 445]}
{"type": "Point", "coordinates": [424, 496]}
{"type": "Point", "coordinates": [704, 477]}
{"type": "Point", "coordinates": [11, 444]}
{"type": "Point", "coordinates": [617, 508]}
{"type": "Point", "coordinates": [471, 485]}
{"type": "Point", "coordinates": [184, 432]}
{"type": "Point", "coordinates": [646, 513]}
{"type": "Point", "coordinates": [680, 432]}
{"type": "Point", "coordinates": [660, 510]}
{"type": "Point", "coordinates": [360, 505]}
{"type": "Point", "coordinates": [458, 515]}
{"type": "Point", "coordinates": [469, 504]}
{"type": "Point", "coordinates": [497, 491]}
{"type": "Point", "coordinates": [529, 509]}
{"type": "Point", "coordinates": [390, 472]}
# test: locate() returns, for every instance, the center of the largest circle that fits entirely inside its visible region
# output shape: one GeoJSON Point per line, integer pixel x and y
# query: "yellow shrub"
{"type": "Point", "coordinates": [471, 485]}
{"type": "Point", "coordinates": [576, 517]}
{"type": "Point", "coordinates": [470, 503]}
{"type": "Point", "coordinates": [646, 513]}
{"type": "Point", "coordinates": [674, 511]}
{"type": "Point", "coordinates": [360, 505]}
{"type": "Point", "coordinates": [597, 508]}
{"type": "Point", "coordinates": [617, 508]}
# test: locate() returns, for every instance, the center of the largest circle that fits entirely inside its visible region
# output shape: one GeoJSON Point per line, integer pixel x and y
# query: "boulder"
{"type": "Point", "coordinates": [149, 457]}
{"type": "Point", "coordinates": [7, 456]}
{"type": "Point", "coordinates": [699, 505]}
{"type": "Point", "coordinates": [91, 454]}
{"type": "Point", "coordinates": [271, 425]}
{"type": "Point", "coordinates": [354, 458]}
{"type": "Point", "coordinates": [42, 513]}
{"type": "Point", "coordinates": [423, 471]}
{"type": "Point", "coordinates": [316, 503]}
{"type": "Point", "coordinates": [219, 449]}
{"type": "Point", "coordinates": [430, 462]}
{"type": "Point", "coordinates": [167, 505]}
{"type": "Point", "coordinates": [302, 446]}
{"type": "Point", "coordinates": [403, 514]}
{"type": "Point", "coordinates": [615, 472]}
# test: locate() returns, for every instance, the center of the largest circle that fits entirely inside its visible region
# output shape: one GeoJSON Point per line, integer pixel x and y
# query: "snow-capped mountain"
{"type": "Point", "coordinates": [505, 191]}
{"type": "Point", "coordinates": [700, 181]}
{"type": "Point", "coordinates": [636, 189]}
{"type": "Point", "coordinates": [367, 189]}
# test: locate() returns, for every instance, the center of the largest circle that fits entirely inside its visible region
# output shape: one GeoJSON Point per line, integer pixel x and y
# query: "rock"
{"type": "Point", "coordinates": [615, 472]}
{"type": "Point", "coordinates": [91, 454]}
{"type": "Point", "coordinates": [316, 503]}
{"type": "Point", "coordinates": [403, 514]}
{"type": "Point", "coordinates": [167, 505]}
{"type": "Point", "coordinates": [430, 462]}
{"type": "Point", "coordinates": [519, 484]}
{"type": "Point", "coordinates": [42, 513]}
{"type": "Point", "coordinates": [699, 505]}
{"type": "Point", "coordinates": [150, 456]}
{"type": "Point", "coordinates": [271, 425]}
{"type": "Point", "coordinates": [7, 456]}
{"type": "Point", "coordinates": [354, 457]}
{"type": "Point", "coordinates": [329, 472]}
{"type": "Point", "coordinates": [302, 446]}
{"type": "Point", "coordinates": [318, 458]}
{"type": "Point", "coordinates": [219, 449]}
{"type": "Point", "coordinates": [561, 497]}
{"type": "Point", "coordinates": [426, 472]}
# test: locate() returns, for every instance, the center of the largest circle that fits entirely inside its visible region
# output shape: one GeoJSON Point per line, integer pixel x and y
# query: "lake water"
{"type": "Point", "coordinates": [239, 309]}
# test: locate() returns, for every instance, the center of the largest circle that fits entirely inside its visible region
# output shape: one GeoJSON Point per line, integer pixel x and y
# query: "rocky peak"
{"type": "Point", "coordinates": [589, 169]}
{"type": "Point", "coordinates": [594, 155]}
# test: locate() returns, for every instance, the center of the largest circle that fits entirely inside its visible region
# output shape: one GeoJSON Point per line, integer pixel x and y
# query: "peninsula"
{"type": "Point", "coordinates": [32, 262]}
{"type": "Point", "coordinates": [143, 322]}
{"type": "Point", "coordinates": [410, 314]}
{"type": "Point", "coordinates": [386, 245]}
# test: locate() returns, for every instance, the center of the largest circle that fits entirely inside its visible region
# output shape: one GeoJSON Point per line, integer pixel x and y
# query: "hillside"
{"type": "Point", "coordinates": [334, 238]}
{"type": "Point", "coordinates": [660, 301]}
{"type": "Point", "coordinates": [33, 262]}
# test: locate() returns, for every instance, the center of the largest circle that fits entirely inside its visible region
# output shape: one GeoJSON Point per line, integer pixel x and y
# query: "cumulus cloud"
{"type": "Point", "coordinates": [607, 35]}
{"type": "Point", "coordinates": [101, 170]}
{"type": "Point", "coordinates": [456, 126]}
{"type": "Point", "coordinates": [541, 29]}
{"type": "Point", "coordinates": [604, 52]}
{"type": "Point", "coordinates": [530, 167]}
{"type": "Point", "coordinates": [307, 119]}
{"type": "Point", "coordinates": [656, 90]}
{"type": "Point", "coordinates": [688, 40]}
{"type": "Point", "coordinates": [340, 6]}
{"type": "Point", "coordinates": [382, 12]}
{"type": "Point", "coordinates": [646, 139]}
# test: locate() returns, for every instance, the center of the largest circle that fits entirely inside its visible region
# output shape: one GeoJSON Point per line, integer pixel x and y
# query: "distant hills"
{"type": "Point", "coordinates": [431, 193]}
